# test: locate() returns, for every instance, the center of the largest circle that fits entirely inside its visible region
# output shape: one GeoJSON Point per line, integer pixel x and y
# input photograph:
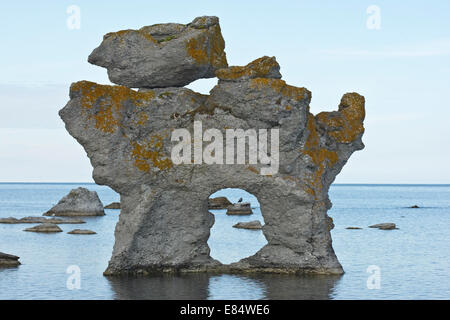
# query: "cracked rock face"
{"type": "Point", "coordinates": [164, 224]}
{"type": "Point", "coordinates": [162, 55]}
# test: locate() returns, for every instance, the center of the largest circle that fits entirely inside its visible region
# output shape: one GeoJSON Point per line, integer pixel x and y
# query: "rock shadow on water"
{"type": "Point", "coordinates": [224, 287]}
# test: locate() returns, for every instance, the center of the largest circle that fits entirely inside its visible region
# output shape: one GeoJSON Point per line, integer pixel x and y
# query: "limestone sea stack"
{"type": "Point", "coordinates": [79, 202]}
{"type": "Point", "coordinates": [239, 209]}
{"type": "Point", "coordinates": [218, 203]}
{"type": "Point", "coordinates": [8, 260]}
{"type": "Point", "coordinates": [162, 55]}
{"type": "Point", "coordinates": [129, 137]}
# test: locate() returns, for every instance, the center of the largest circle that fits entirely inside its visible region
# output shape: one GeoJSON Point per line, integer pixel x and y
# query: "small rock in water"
{"type": "Point", "coordinates": [45, 227]}
{"type": "Point", "coordinates": [240, 209]}
{"type": "Point", "coordinates": [353, 228]}
{"type": "Point", "coordinates": [32, 220]}
{"type": "Point", "coordinates": [219, 203]}
{"type": "Point", "coordinates": [81, 231]}
{"type": "Point", "coordinates": [9, 220]}
{"type": "Point", "coordinates": [64, 221]}
{"type": "Point", "coordinates": [252, 225]}
{"type": "Point", "coordinates": [415, 207]}
{"type": "Point", "coordinates": [8, 260]}
{"type": "Point", "coordinates": [384, 226]}
{"type": "Point", "coordinates": [114, 205]}
{"type": "Point", "coordinates": [79, 202]}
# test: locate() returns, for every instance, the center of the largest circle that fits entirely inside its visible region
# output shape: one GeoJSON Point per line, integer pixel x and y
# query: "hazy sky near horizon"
{"type": "Point", "coordinates": [402, 69]}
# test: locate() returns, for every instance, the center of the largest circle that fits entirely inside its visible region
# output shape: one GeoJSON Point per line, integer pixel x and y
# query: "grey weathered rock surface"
{"type": "Point", "coordinates": [8, 260]}
{"type": "Point", "coordinates": [9, 220]}
{"type": "Point", "coordinates": [384, 226]}
{"type": "Point", "coordinates": [218, 203]}
{"type": "Point", "coordinates": [127, 136]}
{"type": "Point", "coordinates": [252, 225]}
{"type": "Point", "coordinates": [239, 209]}
{"type": "Point", "coordinates": [113, 205]}
{"type": "Point", "coordinates": [45, 228]}
{"type": "Point", "coordinates": [82, 231]}
{"type": "Point", "coordinates": [162, 55]}
{"type": "Point", "coordinates": [79, 202]}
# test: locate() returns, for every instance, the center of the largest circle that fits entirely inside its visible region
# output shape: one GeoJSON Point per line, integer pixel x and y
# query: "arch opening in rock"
{"type": "Point", "coordinates": [227, 243]}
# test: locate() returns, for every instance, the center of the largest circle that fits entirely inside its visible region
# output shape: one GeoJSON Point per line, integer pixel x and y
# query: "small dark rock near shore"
{"type": "Point", "coordinates": [45, 228]}
{"type": "Point", "coordinates": [218, 203]}
{"type": "Point", "coordinates": [384, 226]}
{"type": "Point", "coordinates": [114, 205]}
{"type": "Point", "coordinates": [81, 231]}
{"type": "Point", "coordinates": [8, 260]}
{"type": "Point", "coordinates": [353, 228]}
{"type": "Point", "coordinates": [240, 209]}
{"type": "Point", "coordinates": [252, 225]}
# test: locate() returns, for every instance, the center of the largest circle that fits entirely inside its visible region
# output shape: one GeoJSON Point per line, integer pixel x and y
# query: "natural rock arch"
{"type": "Point", "coordinates": [164, 224]}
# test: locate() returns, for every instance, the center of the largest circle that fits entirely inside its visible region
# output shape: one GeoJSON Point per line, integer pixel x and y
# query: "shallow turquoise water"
{"type": "Point", "coordinates": [414, 261]}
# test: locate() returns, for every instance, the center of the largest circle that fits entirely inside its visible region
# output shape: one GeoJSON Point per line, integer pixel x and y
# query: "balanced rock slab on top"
{"type": "Point", "coordinates": [162, 55]}
{"type": "Point", "coordinates": [165, 224]}
{"type": "Point", "coordinates": [79, 202]}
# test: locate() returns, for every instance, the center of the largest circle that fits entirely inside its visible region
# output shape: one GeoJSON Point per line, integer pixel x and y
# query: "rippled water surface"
{"type": "Point", "coordinates": [413, 261]}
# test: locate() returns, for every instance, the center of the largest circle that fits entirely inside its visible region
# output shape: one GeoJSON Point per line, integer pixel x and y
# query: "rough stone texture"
{"type": "Point", "coordinates": [114, 205]}
{"type": "Point", "coordinates": [8, 260]}
{"type": "Point", "coordinates": [164, 224]}
{"type": "Point", "coordinates": [162, 55]}
{"type": "Point", "coordinates": [252, 225]}
{"type": "Point", "coordinates": [384, 226]}
{"type": "Point", "coordinates": [45, 228]}
{"type": "Point", "coordinates": [218, 203]}
{"type": "Point", "coordinates": [79, 202]}
{"type": "Point", "coordinates": [82, 231]}
{"type": "Point", "coordinates": [265, 67]}
{"type": "Point", "coordinates": [239, 209]}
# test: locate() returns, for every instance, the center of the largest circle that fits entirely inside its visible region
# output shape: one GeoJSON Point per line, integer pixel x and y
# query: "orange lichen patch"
{"type": "Point", "coordinates": [104, 103]}
{"type": "Point", "coordinates": [281, 87]}
{"type": "Point", "coordinates": [259, 68]}
{"type": "Point", "coordinates": [122, 33]}
{"type": "Point", "coordinates": [208, 47]}
{"type": "Point", "coordinates": [253, 169]}
{"type": "Point", "coordinates": [288, 108]}
{"type": "Point", "coordinates": [142, 118]}
{"type": "Point", "coordinates": [321, 157]}
{"type": "Point", "coordinates": [148, 154]}
{"type": "Point", "coordinates": [346, 124]}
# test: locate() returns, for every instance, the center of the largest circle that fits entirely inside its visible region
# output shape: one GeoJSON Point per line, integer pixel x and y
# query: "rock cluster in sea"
{"type": "Point", "coordinates": [165, 224]}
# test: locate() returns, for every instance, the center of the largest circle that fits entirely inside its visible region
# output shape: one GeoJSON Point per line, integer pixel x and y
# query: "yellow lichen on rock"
{"type": "Point", "coordinates": [122, 33]}
{"type": "Point", "coordinates": [208, 47]}
{"type": "Point", "coordinates": [259, 68]}
{"type": "Point", "coordinates": [148, 154]}
{"type": "Point", "coordinates": [104, 103]}
{"type": "Point", "coordinates": [280, 86]}
{"type": "Point", "coordinates": [321, 157]}
{"type": "Point", "coordinates": [346, 124]}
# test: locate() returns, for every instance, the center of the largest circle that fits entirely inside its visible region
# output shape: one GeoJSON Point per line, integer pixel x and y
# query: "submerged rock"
{"type": "Point", "coordinates": [253, 225]}
{"type": "Point", "coordinates": [81, 231]}
{"type": "Point", "coordinates": [384, 226]}
{"type": "Point", "coordinates": [415, 207]}
{"type": "Point", "coordinates": [79, 202]}
{"type": "Point", "coordinates": [45, 228]}
{"type": "Point", "coordinates": [8, 260]}
{"type": "Point", "coordinates": [239, 209]}
{"type": "Point", "coordinates": [218, 203]}
{"type": "Point", "coordinates": [114, 205]}
{"type": "Point", "coordinates": [165, 224]}
{"type": "Point", "coordinates": [353, 228]}
{"type": "Point", "coordinates": [162, 55]}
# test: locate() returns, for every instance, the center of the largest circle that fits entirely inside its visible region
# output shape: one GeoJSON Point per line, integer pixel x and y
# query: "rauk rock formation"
{"type": "Point", "coordinates": [165, 224]}
{"type": "Point", "coordinates": [79, 202]}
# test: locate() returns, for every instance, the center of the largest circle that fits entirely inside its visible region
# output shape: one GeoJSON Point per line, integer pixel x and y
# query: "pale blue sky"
{"type": "Point", "coordinates": [403, 70]}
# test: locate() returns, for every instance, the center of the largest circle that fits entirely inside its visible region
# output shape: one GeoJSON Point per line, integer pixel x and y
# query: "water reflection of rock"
{"type": "Point", "coordinates": [210, 286]}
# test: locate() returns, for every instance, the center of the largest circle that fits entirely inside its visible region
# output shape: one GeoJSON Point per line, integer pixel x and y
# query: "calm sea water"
{"type": "Point", "coordinates": [413, 261]}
